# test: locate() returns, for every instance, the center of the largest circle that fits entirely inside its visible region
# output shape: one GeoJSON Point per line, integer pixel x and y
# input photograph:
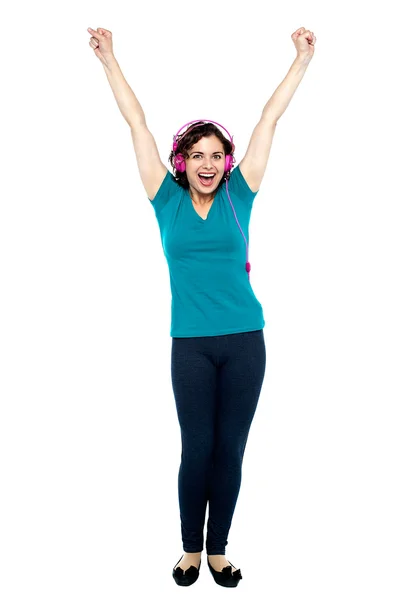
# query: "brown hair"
{"type": "Point", "coordinates": [192, 135]}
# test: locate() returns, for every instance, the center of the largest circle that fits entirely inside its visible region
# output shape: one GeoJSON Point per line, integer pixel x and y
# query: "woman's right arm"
{"type": "Point", "coordinates": [152, 170]}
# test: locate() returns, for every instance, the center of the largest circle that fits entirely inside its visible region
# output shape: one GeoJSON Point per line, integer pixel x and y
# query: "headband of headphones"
{"type": "Point", "coordinates": [197, 121]}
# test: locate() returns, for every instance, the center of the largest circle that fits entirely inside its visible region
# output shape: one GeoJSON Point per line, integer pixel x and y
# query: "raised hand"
{"type": "Point", "coordinates": [304, 41]}
{"type": "Point", "coordinates": [101, 42]}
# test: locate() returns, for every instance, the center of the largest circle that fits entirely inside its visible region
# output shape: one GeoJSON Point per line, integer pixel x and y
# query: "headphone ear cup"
{"type": "Point", "coordinates": [179, 163]}
{"type": "Point", "coordinates": [228, 162]}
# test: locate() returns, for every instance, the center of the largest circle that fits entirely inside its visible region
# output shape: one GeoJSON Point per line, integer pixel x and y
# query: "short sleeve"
{"type": "Point", "coordinates": [239, 187]}
{"type": "Point", "coordinates": [168, 188]}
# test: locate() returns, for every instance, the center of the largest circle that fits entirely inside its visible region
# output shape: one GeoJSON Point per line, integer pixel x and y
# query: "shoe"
{"type": "Point", "coordinates": [227, 577]}
{"type": "Point", "coordinates": [187, 577]}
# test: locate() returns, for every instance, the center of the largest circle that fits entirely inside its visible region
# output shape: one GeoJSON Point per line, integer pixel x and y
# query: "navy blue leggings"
{"type": "Point", "coordinates": [216, 382]}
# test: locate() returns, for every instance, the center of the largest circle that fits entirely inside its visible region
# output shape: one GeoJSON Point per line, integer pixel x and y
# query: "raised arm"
{"type": "Point", "coordinates": [152, 170]}
{"type": "Point", "coordinates": [254, 163]}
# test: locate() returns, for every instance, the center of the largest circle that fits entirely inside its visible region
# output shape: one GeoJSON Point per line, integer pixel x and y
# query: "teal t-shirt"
{"type": "Point", "coordinates": [211, 291]}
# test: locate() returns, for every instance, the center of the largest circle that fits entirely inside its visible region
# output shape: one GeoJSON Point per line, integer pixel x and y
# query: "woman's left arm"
{"type": "Point", "coordinates": [253, 165]}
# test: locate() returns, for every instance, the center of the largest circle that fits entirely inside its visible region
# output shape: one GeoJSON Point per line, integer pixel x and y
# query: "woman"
{"type": "Point", "coordinates": [218, 349]}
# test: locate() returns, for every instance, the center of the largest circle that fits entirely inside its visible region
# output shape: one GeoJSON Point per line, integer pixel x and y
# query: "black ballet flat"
{"type": "Point", "coordinates": [227, 577]}
{"type": "Point", "coordinates": [187, 577]}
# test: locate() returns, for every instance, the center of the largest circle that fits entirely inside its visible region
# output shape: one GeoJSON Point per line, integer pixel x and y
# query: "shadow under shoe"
{"type": "Point", "coordinates": [227, 577]}
{"type": "Point", "coordinates": [187, 577]}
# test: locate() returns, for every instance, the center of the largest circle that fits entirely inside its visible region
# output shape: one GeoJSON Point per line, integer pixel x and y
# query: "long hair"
{"type": "Point", "coordinates": [186, 140]}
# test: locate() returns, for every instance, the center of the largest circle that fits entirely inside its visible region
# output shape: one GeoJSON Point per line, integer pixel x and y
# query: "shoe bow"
{"type": "Point", "coordinates": [228, 572]}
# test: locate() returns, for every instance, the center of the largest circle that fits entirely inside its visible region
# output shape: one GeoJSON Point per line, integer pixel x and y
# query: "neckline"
{"type": "Point", "coordinates": [210, 211]}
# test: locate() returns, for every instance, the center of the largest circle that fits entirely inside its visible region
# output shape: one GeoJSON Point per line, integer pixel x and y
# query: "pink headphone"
{"type": "Point", "coordinates": [179, 164]}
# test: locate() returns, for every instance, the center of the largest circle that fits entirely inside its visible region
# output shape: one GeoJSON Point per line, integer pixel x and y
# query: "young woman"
{"type": "Point", "coordinates": [218, 348]}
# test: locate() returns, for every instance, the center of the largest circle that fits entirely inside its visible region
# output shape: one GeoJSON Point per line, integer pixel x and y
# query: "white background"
{"type": "Point", "coordinates": [89, 436]}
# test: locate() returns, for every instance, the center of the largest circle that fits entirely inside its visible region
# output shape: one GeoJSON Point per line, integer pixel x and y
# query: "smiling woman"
{"type": "Point", "coordinates": [218, 354]}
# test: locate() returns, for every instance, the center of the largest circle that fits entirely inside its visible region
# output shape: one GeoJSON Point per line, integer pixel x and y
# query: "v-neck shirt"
{"type": "Point", "coordinates": [210, 289]}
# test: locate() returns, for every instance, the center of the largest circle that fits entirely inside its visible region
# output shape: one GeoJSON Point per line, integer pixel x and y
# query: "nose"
{"type": "Point", "coordinates": [208, 163]}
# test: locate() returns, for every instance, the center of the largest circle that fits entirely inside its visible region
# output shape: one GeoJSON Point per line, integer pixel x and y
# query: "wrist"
{"type": "Point", "coordinates": [110, 61]}
{"type": "Point", "coordinates": [303, 59]}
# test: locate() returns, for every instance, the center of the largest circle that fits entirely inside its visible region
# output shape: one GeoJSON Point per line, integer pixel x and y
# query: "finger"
{"type": "Point", "coordinates": [94, 33]}
{"type": "Point", "coordinates": [301, 32]}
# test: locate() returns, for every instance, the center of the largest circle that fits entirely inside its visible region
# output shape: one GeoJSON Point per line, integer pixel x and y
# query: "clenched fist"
{"type": "Point", "coordinates": [304, 41]}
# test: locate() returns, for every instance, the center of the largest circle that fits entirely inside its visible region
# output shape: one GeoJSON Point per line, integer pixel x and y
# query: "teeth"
{"type": "Point", "coordinates": [207, 175]}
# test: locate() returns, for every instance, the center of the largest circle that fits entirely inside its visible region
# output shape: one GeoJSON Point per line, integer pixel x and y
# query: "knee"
{"type": "Point", "coordinates": [197, 453]}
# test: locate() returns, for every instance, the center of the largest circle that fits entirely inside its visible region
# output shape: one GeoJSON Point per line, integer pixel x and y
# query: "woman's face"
{"type": "Point", "coordinates": [206, 156]}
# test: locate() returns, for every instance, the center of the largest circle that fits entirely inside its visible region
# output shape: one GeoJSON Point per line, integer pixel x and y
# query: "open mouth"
{"type": "Point", "coordinates": [206, 179]}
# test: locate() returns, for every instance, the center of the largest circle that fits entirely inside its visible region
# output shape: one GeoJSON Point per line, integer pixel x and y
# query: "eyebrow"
{"type": "Point", "coordinates": [197, 152]}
